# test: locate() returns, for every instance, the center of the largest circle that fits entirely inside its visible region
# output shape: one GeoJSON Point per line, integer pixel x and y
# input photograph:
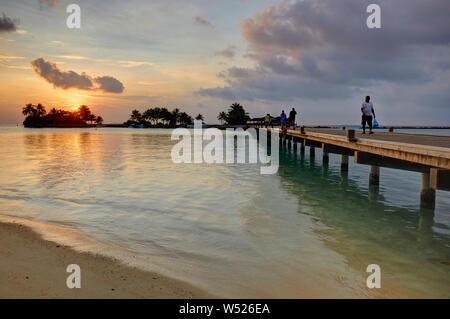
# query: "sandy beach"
{"type": "Point", "coordinates": [32, 267]}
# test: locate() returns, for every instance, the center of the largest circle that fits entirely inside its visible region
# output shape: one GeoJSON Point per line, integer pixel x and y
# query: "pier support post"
{"type": "Point", "coordinates": [344, 163]}
{"type": "Point", "coordinates": [426, 219]}
{"type": "Point", "coordinates": [374, 193]}
{"type": "Point", "coordinates": [312, 151]}
{"type": "Point", "coordinates": [428, 189]}
{"type": "Point", "coordinates": [374, 178]}
{"type": "Point", "coordinates": [325, 158]}
{"type": "Point", "coordinates": [302, 148]}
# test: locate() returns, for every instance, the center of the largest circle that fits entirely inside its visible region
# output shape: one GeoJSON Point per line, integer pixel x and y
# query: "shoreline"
{"type": "Point", "coordinates": [32, 266]}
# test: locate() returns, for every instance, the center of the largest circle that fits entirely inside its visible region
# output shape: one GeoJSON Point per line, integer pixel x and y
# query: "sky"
{"type": "Point", "coordinates": [201, 56]}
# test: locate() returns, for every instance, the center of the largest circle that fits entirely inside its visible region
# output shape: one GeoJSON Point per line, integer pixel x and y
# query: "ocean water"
{"type": "Point", "coordinates": [306, 231]}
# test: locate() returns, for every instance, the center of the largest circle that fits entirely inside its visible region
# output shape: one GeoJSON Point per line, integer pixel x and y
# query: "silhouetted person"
{"type": "Point", "coordinates": [367, 111]}
{"type": "Point", "coordinates": [292, 115]}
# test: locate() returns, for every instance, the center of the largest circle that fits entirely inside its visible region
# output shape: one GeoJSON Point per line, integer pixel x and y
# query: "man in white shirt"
{"type": "Point", "coordinates": [367, 111]}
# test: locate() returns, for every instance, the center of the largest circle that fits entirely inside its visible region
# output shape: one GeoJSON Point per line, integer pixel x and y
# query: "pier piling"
{"type": "Point", "coordinates": [428, 189]}
{"type": "Point", "coordinates": [325, 158]}
{"type": "Point", "coordinates": [344, 163]}
{"type": "Point", "coordinates": [374, 178]}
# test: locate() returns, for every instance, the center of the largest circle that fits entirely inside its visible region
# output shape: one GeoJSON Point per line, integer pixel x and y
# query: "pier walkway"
{"type": "Point", "coordinates": [424, 153]}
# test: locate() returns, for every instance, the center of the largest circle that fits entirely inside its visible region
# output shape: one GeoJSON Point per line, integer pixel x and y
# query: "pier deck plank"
{"type": "Point", "coordinates": [409, 138]}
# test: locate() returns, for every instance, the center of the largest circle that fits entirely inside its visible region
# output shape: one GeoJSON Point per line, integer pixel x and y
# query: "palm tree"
{"type": "Point", "coordinates": [28, 109]}
{"type": "Point", "coordinates": [135, 116]}
{"type": "Point", "coordinates": [199, 117]}
{"type": "Point", "coordinates": [147, 116]}
{"type": "Point", "coordinates": [185, 119]}
{"type": "Point", "coordinates": [40, 110]}
{"type": "Point", "coordinates": [99, 120]}
{"type": "Point", "coordinates": [165, 115]}
{"type": "Point", "coordinates": [157, 114]}
{"type": "Point", "coordinates": [175, 116]}
{"type": "Point", "coordinates": [85, 112]}
{"type": "Point", "coordinates": [222, 117]}
{"type": "Point", "coordinates": [92, 118]}
{"type": "Point", "coordinates": [237, 115]}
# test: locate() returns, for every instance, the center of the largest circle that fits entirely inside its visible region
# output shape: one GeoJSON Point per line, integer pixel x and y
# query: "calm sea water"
{"type": "Point", "coordinates": [306, 231]}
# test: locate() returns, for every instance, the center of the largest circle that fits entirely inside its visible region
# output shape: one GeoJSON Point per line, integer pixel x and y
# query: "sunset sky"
{"type": "Point", "coordinates": [202, 55]}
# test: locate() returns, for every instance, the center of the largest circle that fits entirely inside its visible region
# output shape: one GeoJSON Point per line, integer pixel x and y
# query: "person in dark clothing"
{"type": "Point", "coordinates": [292, 115]}
{"type": "Point", "coordinates": [367, 111]}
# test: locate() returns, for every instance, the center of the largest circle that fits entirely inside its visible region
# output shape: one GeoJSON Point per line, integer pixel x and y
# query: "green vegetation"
{"type": "Point", "coordinates": [159, 117]}
{"type": "Point", "coordinates": [199, 117]}
{"type": "Point", "coordinates": [236, 115]}
{"type": "Point", "coordinates": [37, 116]}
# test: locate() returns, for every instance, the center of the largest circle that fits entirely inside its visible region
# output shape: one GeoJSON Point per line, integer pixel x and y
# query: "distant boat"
{"type": "Point", "coordinates": [135, 126]}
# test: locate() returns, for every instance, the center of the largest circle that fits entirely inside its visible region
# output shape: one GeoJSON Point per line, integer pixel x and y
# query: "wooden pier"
{"type": "Point", "coordinates": [424, 153]}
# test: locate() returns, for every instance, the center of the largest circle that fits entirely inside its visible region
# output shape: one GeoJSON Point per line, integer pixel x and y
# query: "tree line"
{"type": "Point", "coordinates": [37, 116]}
{"type": "Point", "coordinates": [161, 117]}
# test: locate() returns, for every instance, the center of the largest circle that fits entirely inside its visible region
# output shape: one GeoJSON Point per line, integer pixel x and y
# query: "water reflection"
{"type": "Point", "coordinates": [226, 226]}
{"type": "Point", "coordinates": [366, 229]}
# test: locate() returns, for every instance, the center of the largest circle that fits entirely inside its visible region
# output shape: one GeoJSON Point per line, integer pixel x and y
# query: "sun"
{"type": "Point", "coordinates": [75, 108]}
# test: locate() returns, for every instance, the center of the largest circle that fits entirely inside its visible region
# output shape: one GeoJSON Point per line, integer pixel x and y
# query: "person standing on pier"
{"type": "Point", "coordinates": [292, 115]}
{"type": "Point", "coordinates": [367, 111]}
{"type": "Point", "coordinates": [267, 120]}
{"type": "Point", "coordinates": [283, 119]}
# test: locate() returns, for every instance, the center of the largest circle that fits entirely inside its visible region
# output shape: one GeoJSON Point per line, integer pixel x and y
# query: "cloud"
{"type": "Point", "coordinates": [323, 49]}
{"type": "Point", "coordinates": [109, 84]}
{"type": "Point", "coordinates": [18, 67]}
{"type": "Point", "coordinates": [58, 42]}
{"type": "Point", "coordinates": [203, 22]}
{"type": "Point", "coordinates": [122, 63]}
{"type": "Point", "coordinates": [227, 53]}
{"type": "Point", "coordinates": [72, 57]}
{"type": "Point", "coordinates": [72, 80]}
{"type": "Point", "coordinates": [131, 64]}
{"type": "Point", "coordinates": [7, 24]}
{"type": "Point", "coordinates": [10, 57]}
{"type": "Point", "coordinates": [152, 83]}
{"type": "Point", "coordinates": [5, 62]}
{"type": "Point", "coordinates": [258, 84]}
{"type": "Point", "coordinates": [328, 40]}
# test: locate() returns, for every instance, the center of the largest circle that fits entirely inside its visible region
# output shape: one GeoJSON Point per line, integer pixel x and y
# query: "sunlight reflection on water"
{"type": "Point", "coordinates": [226, 227]}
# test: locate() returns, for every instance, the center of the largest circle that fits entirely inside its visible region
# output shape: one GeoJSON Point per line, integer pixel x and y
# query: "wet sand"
{"type": "Point", "coordinates": [33, 267]}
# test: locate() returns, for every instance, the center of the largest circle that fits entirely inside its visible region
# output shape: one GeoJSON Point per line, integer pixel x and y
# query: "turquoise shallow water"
{"type": "Point", "coordinates": [305, 231]}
